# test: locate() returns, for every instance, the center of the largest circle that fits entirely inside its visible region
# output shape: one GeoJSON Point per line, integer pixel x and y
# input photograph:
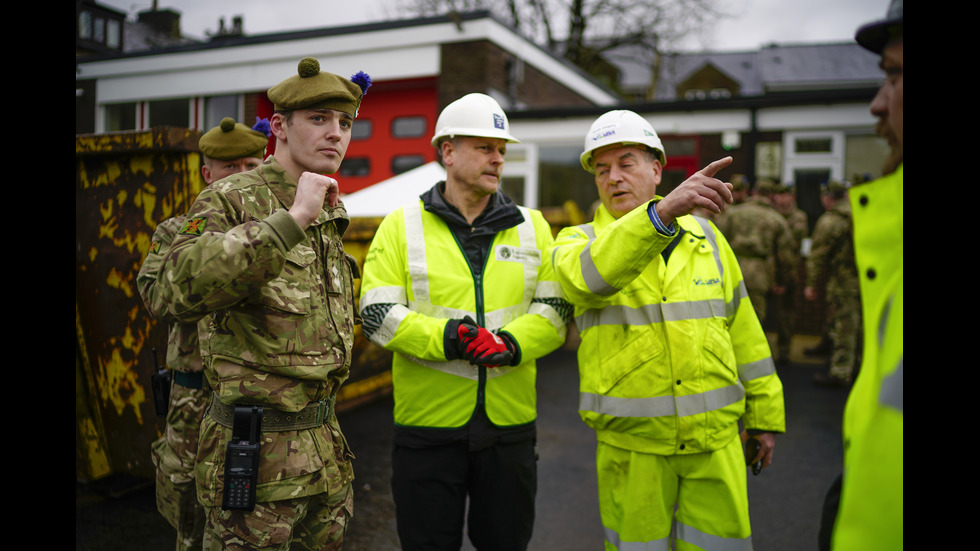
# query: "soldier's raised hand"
{"type": "Point", "coordinates": [311, 191]}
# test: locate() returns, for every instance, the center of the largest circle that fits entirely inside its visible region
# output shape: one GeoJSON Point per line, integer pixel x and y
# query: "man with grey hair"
{"type": "Point", "coordinates": [672, 354]}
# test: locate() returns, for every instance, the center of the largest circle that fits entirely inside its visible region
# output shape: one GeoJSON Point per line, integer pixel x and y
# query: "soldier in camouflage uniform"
{"type": "Point", "coordinates": [784, 201]}
{"type": "Point", "coordinates": [763, 245]}
{"type": "Point", "coordinates": [832, 261]}
{"type": "Point", "coordinates": [260, 262]}
{"type": "Point", "coordinates": [228, 149]}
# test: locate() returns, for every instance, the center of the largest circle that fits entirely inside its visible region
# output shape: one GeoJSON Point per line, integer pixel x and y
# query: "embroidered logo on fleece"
{"type": "Point", "coordinates": [193, 226]}
{"type": "Point", "coordinates": [155, 247]}
{"type": "Point", "coordinates": [506, 253]}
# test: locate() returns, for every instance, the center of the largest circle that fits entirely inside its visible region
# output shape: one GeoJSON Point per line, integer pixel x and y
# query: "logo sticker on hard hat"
{"type": "Point", "coordinates": [498, 121]}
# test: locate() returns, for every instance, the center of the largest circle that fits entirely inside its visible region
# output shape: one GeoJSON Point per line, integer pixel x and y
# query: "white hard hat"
{"type": "Point", "coordinates": [620, 127]}
{"type": "Point", "coordinates": [473, 115]}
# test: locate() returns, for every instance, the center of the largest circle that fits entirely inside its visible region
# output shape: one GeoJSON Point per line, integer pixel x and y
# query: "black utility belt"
{"type": "Point", "coordinates": [312, 416]}
{"type": "Point", "coordinates": [189, 379]}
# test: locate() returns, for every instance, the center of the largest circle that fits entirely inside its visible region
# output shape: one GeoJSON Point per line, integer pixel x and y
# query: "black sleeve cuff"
{"type": "Point", "coordinates": [450, 340]}
{"type": "Point", "coordinates": [512, 346]}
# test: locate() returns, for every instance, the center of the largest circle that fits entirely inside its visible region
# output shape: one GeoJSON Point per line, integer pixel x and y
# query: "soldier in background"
{"type": "Point", "coordinates": [784, 201]}
{"type": "Point", "coordinates": [764, 247]}
{"type": "Point", "coordinates": [228, 148]}
{"type": "Point", "coordinates": [831, 261]}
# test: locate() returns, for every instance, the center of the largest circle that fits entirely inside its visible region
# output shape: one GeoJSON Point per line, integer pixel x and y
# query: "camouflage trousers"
{"type": "Point", "coordinates": [783, 307]}
{"type": "Point", "coordinates": [845, 331]}
{"type": "Point", "coordinates": [316, 522]}
{"type": "Point", "coordinates": [173, 455]}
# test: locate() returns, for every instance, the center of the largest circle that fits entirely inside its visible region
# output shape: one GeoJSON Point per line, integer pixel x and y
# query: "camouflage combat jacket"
{"type": "Point", "coordinates": [276, 313]}
{"type": "Point", "coordinates": [798, 225]}
{"type": "Point", "coordinates": [831, 259]}
{"type": "Point", "coordinates": [183, 349]}
{"type": "Point", "coordinates": [763, 244]}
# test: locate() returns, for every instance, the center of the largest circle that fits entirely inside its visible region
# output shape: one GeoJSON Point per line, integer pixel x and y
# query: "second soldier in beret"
{"type": "Point", "coordinates": [228, 148]}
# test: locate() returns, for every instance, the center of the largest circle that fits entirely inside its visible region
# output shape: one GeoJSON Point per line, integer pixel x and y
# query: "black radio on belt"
{"type": "Point", "coordinates": [242, 459]}
{"type": "Point", "coordinates": [160, 382]}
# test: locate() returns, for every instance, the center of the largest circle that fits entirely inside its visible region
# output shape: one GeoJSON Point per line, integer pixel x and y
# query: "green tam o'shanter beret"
{"type": "Point", "coordinates": [230, 140]}
{"type": "Point", "coordinates": [739, 182]}
{"type": "Point", "coordinates": [765, 187]}
{"type": "Point", "coordinates": [835, 188]}
{"type": "Point", "coordinates": [312, 88]}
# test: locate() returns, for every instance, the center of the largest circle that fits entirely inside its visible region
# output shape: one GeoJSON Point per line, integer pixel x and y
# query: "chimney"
{"type": "Point", "coordinates": [166, 21]}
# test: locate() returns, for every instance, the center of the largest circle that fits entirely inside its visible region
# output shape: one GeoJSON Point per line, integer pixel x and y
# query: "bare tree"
{"type": "Point", "coordinates": [586, 30]}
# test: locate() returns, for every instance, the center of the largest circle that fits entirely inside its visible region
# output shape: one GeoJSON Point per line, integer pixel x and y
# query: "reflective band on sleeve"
{"type": "Point", "coordinates": [392, 320]}
{"type": "Point", "coordinates": [737, 296]}
{"type": "Point", "coordinates": [756, 369]}
{"type": "Point", "coordinates": [549, 313]}
{"type": "Point", "coordinates": [892, 388]}
{"type": "Point", "coordinates": [588, 230]}
{"type": "Point", "coordinates": [656, 545]}
{"type": "Point", "coordinates": [711, 400]}
{"type": "Point", "coordinates": [500, 317]}
{"type": "Point", "coordinates": [549, 301]}
{"type": "Point", "coordinates": [593, 280]}
{"type": "Point", "coordinates": [384, 295]}
{"type": "Point", "coordinates": [709, 542]}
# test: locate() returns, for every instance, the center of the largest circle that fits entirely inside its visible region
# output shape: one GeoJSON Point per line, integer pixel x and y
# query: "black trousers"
{"type": "Point", "coordinates": [430, 487]}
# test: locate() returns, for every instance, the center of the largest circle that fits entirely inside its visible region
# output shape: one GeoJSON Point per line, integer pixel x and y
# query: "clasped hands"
{"type": "Point", "coordinates": [480, 346]}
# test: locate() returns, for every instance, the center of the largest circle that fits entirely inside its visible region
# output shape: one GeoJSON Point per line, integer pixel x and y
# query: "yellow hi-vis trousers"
{"type": "Point", "coordinates": [638, 492]}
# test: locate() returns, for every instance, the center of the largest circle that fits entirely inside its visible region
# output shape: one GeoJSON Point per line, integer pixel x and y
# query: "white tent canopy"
{"type": "Point", "coordinates": [384, 197]}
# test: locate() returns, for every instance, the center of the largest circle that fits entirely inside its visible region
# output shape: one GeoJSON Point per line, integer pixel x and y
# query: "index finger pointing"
{"type": "Point", "coordinates": [714, 167]}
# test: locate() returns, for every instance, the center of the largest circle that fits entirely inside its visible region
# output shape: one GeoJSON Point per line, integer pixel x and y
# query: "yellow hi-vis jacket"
{"type": "Point", "coordinates": [423, 281]}
{"type": "Point", "coordinates": [872, 505]}
{"type": "Point", "coordinates": [672, 354]}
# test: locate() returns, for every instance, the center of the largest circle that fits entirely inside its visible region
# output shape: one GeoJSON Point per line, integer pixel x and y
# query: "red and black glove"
{"type": "Point", "coordinates": [482, 347]}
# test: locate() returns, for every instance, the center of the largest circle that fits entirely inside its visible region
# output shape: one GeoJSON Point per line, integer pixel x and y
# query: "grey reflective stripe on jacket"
{"type": "Point", "coordinates": [662, 406]}
{"type": "Point", "coordinates": [893, 388]}
{"type": "Point", "coordinates": [892, 392]}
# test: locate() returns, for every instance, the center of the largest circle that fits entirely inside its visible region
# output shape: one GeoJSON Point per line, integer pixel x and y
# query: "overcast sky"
{"type": "Point", "coordinates": [753, 23]}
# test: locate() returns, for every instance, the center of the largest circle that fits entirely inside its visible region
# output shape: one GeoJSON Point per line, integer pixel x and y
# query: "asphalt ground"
{"type": "Point", "coordinates": [785, 500]}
